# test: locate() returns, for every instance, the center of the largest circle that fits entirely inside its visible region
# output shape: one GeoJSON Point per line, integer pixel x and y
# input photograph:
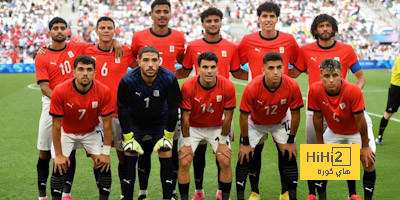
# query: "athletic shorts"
{"type": "Point", "coordinates": [116, 133]}
{"type": "Point", "coordinates": [230, 136]}
{"type": "Point", "coordinates": [92, 142]}
{"type": "Point", "coordinates": [333, 138]}
{"type": "Point", "coordinates": [155, 132]}
{"type": "Point", "coordinates": [45, 126]}
{"type": "Point", "coordinates": [259, 133]}
{"type": "Point", "coordinates": [209, 134]}
{"type": "Point", "coordinates": [393, 101]}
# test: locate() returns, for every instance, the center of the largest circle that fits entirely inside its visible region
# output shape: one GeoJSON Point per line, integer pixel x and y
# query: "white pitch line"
{"type": "Point", "coordinates": [33, 86]}
{"type": "Point", "coordinates": [380, 116]}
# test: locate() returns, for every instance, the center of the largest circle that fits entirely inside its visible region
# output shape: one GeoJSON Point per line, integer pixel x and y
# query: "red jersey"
{"type": "Point", "coordinates": [338, 110]}
{"type": "Point", "coordinates": [169, 45]}
{"type": "Point", "coordinates": [56, 66]}
{"type": "Point", "coordinates": [110, 70]}
{"type": "Point", "coordinates": [268, 107]}
{"type": "Point", "coordinates": [80, 111]}
{"type": "Point", "coordinates": [312, 55]}
{"type": "Point", "coordinates": [254, 46]}
{"type": "Point", "coordinates": [207, 105]}
{"type": "Point", "coordinates": [227, 53]}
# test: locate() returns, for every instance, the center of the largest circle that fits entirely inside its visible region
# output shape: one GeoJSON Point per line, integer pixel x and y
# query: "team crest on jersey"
{"type": "Point", "coordinates": [156, 93]}
{"type": "Point", "coordinates": [70, 54]}
{"type": "Point", "coordinates": [95, 104]}
{"type": "Point", "coordinates": [342, 106]}
{"type": "Point", "coordinates": [337, 58]}
{"type": "Point", "coordinates": [117, 60]}
{"type": "Point", "coordinates": [219, 98]}
{"type": "Point", "coordinates": [171, 48]}
{"type": "Point", "coordinates": [224, 54]}
{"type": "Point", "coordinates": [283, 101]}
{"type": "Point", "coordinates": [281, 49]}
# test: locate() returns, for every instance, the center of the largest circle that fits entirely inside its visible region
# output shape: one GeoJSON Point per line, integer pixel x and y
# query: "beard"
{"type": "Point", "coordinates": [59, 40]}
{"type": "Point", "coordinates": [330, 36]}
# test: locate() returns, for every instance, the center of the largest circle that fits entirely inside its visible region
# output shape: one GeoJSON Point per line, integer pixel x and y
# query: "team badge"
{"type": "Point", "coordinates": [283, 101]}
{"type": "Point", "coordinates": [224, 54]}
{"type": "Point", "coordinates": [342, 106]}
{"type": "Point", "coordinates": [219, 98]}
{"type": "Point", "coordinates": [156, 93]}
{"type": "Point", "coordinates": [95, 104]}
{"type": "Point", "coordinates": [70, 54]}
{"type": "Point", "coordinates": [281, 49]}
{"type": "Point", "coordinates": [337, 58]}
{"type": "Point", "coordinates": [171, 48]}
{"type": "Point", "coordinates": [117, 60]}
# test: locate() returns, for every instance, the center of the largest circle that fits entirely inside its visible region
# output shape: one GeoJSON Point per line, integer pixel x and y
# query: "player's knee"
{"type": "Point", "coordinates": [44, 154]}
{"type": "Point", "coordinates": [184, 163]}
{"type": "Point", "coordinates": [224, 162]}
{"type": "Point", "coordinates": [387, 115]}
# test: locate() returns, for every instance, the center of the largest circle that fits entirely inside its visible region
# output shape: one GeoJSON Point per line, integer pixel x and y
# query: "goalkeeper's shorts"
{"type": "Point", "coordinates": [155, 132]}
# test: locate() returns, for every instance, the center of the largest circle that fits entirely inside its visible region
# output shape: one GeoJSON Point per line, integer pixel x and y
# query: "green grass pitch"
{"type": "Point", "coordinates": [20, 112]}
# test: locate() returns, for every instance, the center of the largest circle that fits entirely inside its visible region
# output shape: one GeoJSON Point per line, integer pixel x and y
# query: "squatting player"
{"type": "Point", "coordinates": [205, 98]}
{"type": "Point", "coordinates": [341, 104]}
{"type": "Point", "coordinates": [263, 109]}
{"type": "Point", "coordinates": [76, 106]}
{"type": "Point", "coordinates": [148, 101]}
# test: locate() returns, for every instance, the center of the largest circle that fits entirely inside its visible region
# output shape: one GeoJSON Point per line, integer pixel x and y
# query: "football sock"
{"type": "Point", "coordinates": [42, 168]}
{"type": "Point", "coordinates": [311, 187]}
{"type": "Point", "coordinates": [226, 190]}
{"type": "Point", "coordinates": [321, 189]}
{"type": "Point", "coordinates": [291, 174]}
{"type": "Point", "coordinates": [175, 159]}
{"type": "Point", "coordinates": [103, 182]}
{"type": "Point", "coordinates": [121, 176]}
{"type": "Point", "coordinates": [166, 175]}
{"type": "Point", "coordinates": [69, 176]}
{"type": "Point", "coordinates": [144, 165]}
{"type": "Point", "coordinates": [57, 185]}
{"type": "Point", "coordinates": [369, 184]}
{"type": "Point", "coordinates": [284, 186]}
{"type": "Point", "coordinates": [241, 176]}
{"type": "Point", "coordinates": [351, 184]}
{"type": "Point", "coordinates": [129, 176]}
{"type": "Point", "coordinates": [199, 163]}
{"type": "Point", "coordinates": [255, 168]}
{"type": "Point", "coordinates": [219, 172]}
{"type": "Point", "coordinates": [382, 127]}
{"type": "Point", "coordinates": [184, 191]}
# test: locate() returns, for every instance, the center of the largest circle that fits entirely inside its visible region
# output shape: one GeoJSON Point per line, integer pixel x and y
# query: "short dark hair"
{"type": "Point", "coordinates": [269, 7]}
{"type": "Point", "coordinates": [272, 56]}
{"type": "Point", "coordinates": [330, 64]}
{"type": "Point", "coordinates": [57, 20]}
{"type": "Point", "coordinates": [323, 18]}
{"type": "Point", "coordinates": [148, 49]}
{"type": "Point", "coordinates": [160, 2]}
{"type": "Point", "coordinates": [105, 18]}
{"type": "Point", "coordinates": [84, 59]}
{"type": "Point", "coordinates": [207, 56]}
{"type": "Point", "coordinates": [211, 11]}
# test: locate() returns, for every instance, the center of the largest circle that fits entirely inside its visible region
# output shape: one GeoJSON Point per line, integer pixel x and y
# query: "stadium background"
{"type": "Point", "coordinates": [371, 27]}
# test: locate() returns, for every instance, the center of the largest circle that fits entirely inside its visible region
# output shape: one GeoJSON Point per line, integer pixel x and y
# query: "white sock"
{"type": "Point", "coordinates": [201, 190]}
{"type": "Point", "coordinates": [65, 194]}
{"type": "Point", "coordinates": [219, 191]}
{"type": "Point", "coordinates": [143, 192]}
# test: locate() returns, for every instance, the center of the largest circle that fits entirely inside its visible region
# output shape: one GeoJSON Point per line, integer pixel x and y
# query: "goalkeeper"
{"type": "Point", "coordinates": [148, 101]}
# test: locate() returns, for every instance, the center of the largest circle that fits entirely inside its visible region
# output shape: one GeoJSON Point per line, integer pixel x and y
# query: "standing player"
{"type": "Point", "coordinates": [266, 100]}
{"type": "Point", "coordinates": [205, 98]}
{"type": "Point", "coordinates": [341, 104]}
{"type": "Point", "coordinates": [148, 101]}
{"type": "Point", "coordinates": [76, 106]}
{"type": "Point", "coordinates": [393, 102]}
{"type": "Point", "coordinates": [228, 61]}
{"type": "Point", "coordinates": [110, 70]}
{"type": "Point", "coordinates": [171, 45]}
{"type": "Point", "coordinates": [324, 28]}
{"type": "Point", "coordinates": [252, 49]}
{"type": "Point", "coordinates": [52, 68]}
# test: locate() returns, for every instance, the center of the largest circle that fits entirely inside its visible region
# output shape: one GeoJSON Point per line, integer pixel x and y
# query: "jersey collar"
{"type": "Point", "coordinates": [83, 93]}
{"type": "Point", "coordinates": [216, 42]}
{"type": "Point", "coordinates": [98, 47]}
{"type": "Point", "coordinates": [268, 39]}
{"type": "Point", "coordinates": [266, 87]}
{"type": "Point", "coordinates": [334, 43]}
{"type": "Point", "coordinates": [55, 50]}
{"type": "Point", "coordinates": [198, 80]}
{"type": "Point", "coordinates": [155, 34]}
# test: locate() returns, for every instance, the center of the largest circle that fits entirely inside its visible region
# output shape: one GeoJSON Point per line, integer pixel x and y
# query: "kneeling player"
{"type": "Point", "coordinates": [75, 106]}
{"type": "Point", "coordinates": [205, 98]}
{"type": "Point", "coordinates": [342, 105]}
{"type": "Point", "coordinates": [267, 99]}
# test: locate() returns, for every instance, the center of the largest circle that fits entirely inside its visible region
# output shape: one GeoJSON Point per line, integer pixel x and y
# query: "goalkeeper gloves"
{"type": "Point", "coordinates": [165, 143]}
{"type": "Point", "coordinates": [131, 145]}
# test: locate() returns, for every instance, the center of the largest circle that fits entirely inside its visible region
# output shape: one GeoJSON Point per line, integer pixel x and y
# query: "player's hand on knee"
{"type": "Point", "coordinates": [185, 151]}
{"type": "Point", "coordinates": [165, 143]}
{"type": "Point", "coordinates": [61, 164]}
{"type": "Point", "coordinates": [367, 156]}
{"type": "Point", "coordinates": [290, 147]}
{"type": "Point", "coordinates": [103, 161]}
{"type": "Point", "coordinates": [245, 151]}
{"type": "Point", "coordinates": [224, 150]}
{"type": "Point", "coordinates": [131, 145]}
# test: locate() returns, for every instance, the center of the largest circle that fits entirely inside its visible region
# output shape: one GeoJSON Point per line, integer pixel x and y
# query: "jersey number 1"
{"type": "Point", "coordinates": [65, 67]}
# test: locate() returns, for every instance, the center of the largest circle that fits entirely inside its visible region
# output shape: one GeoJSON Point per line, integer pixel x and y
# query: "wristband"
{"type": "Point", "coordinates": [186, 141]}
{"type": "Point", "coordinates": [245, 140]}
{"type": "Point", "coordinates": [290, 140]}
{"type": "Point", "coordinates": [222, 139]}
{"type": "Point", "coordinates": [106, 150]}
